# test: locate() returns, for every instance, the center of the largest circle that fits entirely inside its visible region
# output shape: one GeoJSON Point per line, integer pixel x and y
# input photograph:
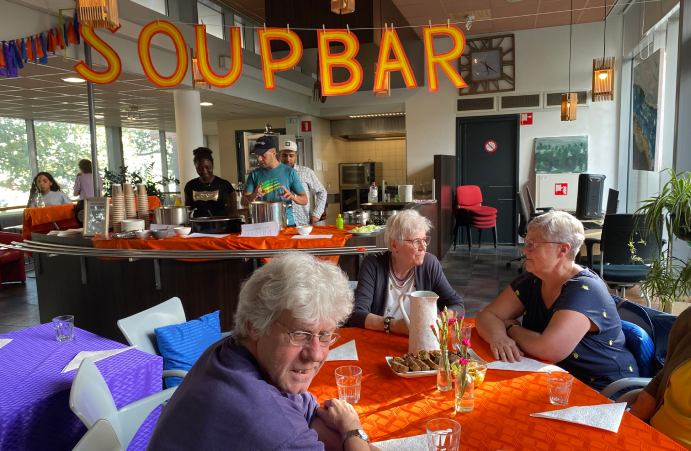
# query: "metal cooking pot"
{"type": "Point", "coordinates": [265, 211]}
{"type": "Point", "coordinates": [173, 215]}
{"type": "Point", "coordinates": [220, 224]}
{"type": "Point", "coordinates": [355, 217]}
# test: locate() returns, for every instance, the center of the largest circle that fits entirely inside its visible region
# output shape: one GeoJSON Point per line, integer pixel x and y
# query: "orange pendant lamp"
{"type": "Point", "coordinates": [101, 13]}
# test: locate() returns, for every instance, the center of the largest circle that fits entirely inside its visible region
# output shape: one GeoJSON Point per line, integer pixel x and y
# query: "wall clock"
{"type": "Point", "coordinates": [488, 65]}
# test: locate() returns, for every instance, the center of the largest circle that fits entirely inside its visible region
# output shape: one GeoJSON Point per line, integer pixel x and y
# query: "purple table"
{"type": "Point", "coordinates": [34, 395]}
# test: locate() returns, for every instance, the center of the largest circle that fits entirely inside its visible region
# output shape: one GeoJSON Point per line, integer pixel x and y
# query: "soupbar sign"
{"type": "Point", "coordinates": [390, 44]}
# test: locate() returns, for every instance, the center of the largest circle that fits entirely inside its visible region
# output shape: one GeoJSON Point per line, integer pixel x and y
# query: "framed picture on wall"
{"type": "Point", "coordinates": [96, 216]}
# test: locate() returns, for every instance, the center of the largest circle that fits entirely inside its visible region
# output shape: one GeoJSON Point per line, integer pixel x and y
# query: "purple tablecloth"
{"type": "Point", "coordinates": [34, 395]}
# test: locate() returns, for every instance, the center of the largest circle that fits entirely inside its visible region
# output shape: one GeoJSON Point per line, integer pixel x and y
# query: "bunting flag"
{"type": "Point", "coordinates": [24, 51]}
{"type": "Point", "coordinates": [42, 55]}
{"type": "Point", "coordinates": [76, 29]}
{"type": "Point", "coordinates": [64, 33]}
{"type": "Point", "coordinates": [71, 34]}
{"type": "Point", "coordinates": [17, 55]}
{"type": "Point", "coordinates": [2, 59]}
{"type": "Point", "coordinates": [51, 41]}
{"type": "Point", "coordinates": [30, 49]}
{"type": "Point", "coordinates": [61, 38]}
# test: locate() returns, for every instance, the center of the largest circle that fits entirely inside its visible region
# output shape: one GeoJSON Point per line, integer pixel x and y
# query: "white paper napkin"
{"type": "Point", "coordinates": [4, 341]}
{"type": "Point", "coordinates": [526, 364]}
{"type": "Point", "coordinates": [207, 235]}
{"type": "Point", "coordinates": [344, 352]}
{"type": "Point", "coordinates": [605, 416]}
{"type": "Point", "coordinates": [95, 356]}
{"type": "Point", "coordinates": [311, 237]}
{"type": "Point", "coordinates": [415, 443]}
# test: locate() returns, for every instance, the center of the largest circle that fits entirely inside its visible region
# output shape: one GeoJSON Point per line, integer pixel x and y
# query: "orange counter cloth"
{"type": "Point", "coordinates": [233, 241]}
{"type": "Point", "coordinates": [41, 219]}
{"type": "Point", "coordinates": [393, 407]}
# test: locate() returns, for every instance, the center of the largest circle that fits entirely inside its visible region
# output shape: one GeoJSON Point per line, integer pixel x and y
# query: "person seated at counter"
{"type": "Point", "coordinates": [249, 391]}
{"type": "Point", "coordinates": [569, 316]}
{"type": "Point", "coordinates": [273, 180]}
{"type": "Point", "coordinates": [665, 401]}
{"type": "Point", "coordinates": [404, 268]}
{"type": "Point", "coordinates": [210, 195]}
{"type": "Point", "coordinates": [45, 184]}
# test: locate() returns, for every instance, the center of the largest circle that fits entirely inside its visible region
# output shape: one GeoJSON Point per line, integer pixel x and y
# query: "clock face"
{"type": "Point", "coordinates": [486, 65]}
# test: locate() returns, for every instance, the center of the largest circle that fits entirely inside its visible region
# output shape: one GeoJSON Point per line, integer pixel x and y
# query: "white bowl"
{"type": "Point", "coordinates": [182, 231]}
{"type": "Point", "coordinates": [304, 230]}
{"type": "Point", "coordinates": [143, 234]}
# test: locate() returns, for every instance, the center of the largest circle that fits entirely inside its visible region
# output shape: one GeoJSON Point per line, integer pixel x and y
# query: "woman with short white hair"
{"type": "Point", "coordinates": [569, 317]}
{"type": "Point", "coordinates": [405, 268]}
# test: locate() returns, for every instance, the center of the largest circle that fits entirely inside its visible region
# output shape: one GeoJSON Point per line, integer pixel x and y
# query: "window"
{"type": "Point", "coordinates": [15, 172]}
{"type": "Point", "coordinates": [160, 6]}
{"type": "Point", "coordinates": [240, 23]}
{"type": "Point", "coordinates": [141, 151]}
{"type": "Point", "coordinates": [172, 154]}
{"type": "Point", "coordinates": [60, 146]}
{"type": "Point", "coordinates": [212, 17]}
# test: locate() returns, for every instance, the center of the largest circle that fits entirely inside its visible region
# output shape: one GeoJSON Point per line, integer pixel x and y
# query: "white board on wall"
{"type": "Point", "coordinates": [559, 191]}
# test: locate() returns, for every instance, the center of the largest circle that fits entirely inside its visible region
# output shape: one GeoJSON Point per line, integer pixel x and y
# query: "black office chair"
{"type": "Point", "coordinates": [612, 202]}
{"type": "Point", "coordinates": [616, 266]}
{"type": "Point", "coordinates": [535, 211]}
{"type": "Point", "coordinates": [523, 220]}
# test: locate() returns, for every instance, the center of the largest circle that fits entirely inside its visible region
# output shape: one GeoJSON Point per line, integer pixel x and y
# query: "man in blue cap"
{"type": "Point", "coordinates": [273, 180]}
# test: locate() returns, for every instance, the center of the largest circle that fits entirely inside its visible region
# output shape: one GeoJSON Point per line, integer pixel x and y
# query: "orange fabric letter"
{"type": "Point", "coordinates": [114, 64]}
{"type": "Point", "coordinates": [443, 60]}
{"type": "Point", "coordinates": [345, 59]}
{"type": "Point", "coordinates": [205, 69]}
{"type": "Point", "coordinates": [144, 49]}
{"type": "Point", "coordinates": [269, 65]}
{"type": "Point", "coordinates": [389, 42]}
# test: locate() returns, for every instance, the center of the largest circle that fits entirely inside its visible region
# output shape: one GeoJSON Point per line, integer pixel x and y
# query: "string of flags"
{"type": "Point", "coordinates": [17, 52]}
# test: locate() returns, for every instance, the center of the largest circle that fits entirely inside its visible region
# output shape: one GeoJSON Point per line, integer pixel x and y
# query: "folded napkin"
{"type": "Point", "coordinates": [95, 356]}
{"type": "Point", "coordinates": [415, 443]}
{"type": "Point", "coordinates": [4, 341]}
{"type": "Point", "coordinates": [207, 235]}
{"type": "Point", "coordinates": [311, 237]}
{"type": "Point", "coordinates": [344, 352]}
{"type": "Point", "coordinates": [526, 364]}
{"type": "Point", "coordinates": [605, 416]}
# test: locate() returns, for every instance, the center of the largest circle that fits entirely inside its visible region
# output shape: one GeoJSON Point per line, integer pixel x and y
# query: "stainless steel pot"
{"type": "Point", "coordinates": [355, 217]}
{"type": "Point", "coordinates": [264, 211]}
{"type": "Point", "coordinates": [173, 215]}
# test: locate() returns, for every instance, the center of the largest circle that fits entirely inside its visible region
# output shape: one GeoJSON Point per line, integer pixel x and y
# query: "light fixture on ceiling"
{"type": "Point", "coordinates": [343, 6]}
{"type": "Point", "coordinates": [101, 13]}
{"type": "Point", "coordinates": [198, 81]}
{"type": "Point", "coordinates": [469, 22]}
{"type": "Point", "coordinates": [133, 113]}
{"type": "Point", "coordinates": [569, 100]}
{"type": "Point", "coordinates": [98, 116]}
{"type": "Point", "coordinates": [358, 116]}
{"type": "Point", "coordinates": [73, 80]}
{"type": "Point", "coordinates": [206, 104]}
{"type": "Point", "coordinates": [603, 71]}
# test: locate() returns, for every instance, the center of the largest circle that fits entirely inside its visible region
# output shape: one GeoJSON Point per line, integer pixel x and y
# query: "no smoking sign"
{"type": "Point", "coordinates": [491, 146]}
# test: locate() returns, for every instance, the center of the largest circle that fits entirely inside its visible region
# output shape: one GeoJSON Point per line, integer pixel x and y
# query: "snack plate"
{"type": "Point", "coordinates": [411, 374]}
{"type": "Point", "coordinates": [375, 232]}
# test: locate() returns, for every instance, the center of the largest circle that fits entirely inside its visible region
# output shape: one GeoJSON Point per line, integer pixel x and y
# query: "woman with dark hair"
{"type": "Point", "coordinates": [210, 195]}
{"type": "Point", "coordinates": [45, 184]}
{"type": "Point", "coordinates": [84, 184]}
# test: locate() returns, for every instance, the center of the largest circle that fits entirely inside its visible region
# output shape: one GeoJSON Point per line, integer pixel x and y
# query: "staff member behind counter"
{"type": "Point", "coordinates": [210, 195]}
{"type": "Point", "coordinates": [273, 181]}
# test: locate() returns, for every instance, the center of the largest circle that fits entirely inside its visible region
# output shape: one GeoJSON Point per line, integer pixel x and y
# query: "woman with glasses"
{"type": "Point", "coordinates": [405, 268]}
{"type": "Point", "coordinates": [569, 317]}
{"type": "Point", "coordinates": [45, 184]}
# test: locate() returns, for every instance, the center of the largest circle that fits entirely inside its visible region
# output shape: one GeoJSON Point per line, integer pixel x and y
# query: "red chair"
{"type": "Point", "coordinates": [470, 212]}
{"type": "Point", "coordinates": [11, 261]}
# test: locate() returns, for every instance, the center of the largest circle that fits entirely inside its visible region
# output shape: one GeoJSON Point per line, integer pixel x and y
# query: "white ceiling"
{"type": "Point", "coordinates": [41, 94]}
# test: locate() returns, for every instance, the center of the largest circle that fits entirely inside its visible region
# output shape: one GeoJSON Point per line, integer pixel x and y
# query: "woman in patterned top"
{"type": "Point", "coordinates": [209, 194]}
{"type": "Point", "coordinates": [569, 317]}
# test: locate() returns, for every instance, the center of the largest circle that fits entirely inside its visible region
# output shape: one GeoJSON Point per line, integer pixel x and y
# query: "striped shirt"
{"type": "Point", "coordinates": [309, 180]}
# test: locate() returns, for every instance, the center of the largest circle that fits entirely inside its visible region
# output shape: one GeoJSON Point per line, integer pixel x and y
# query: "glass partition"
{"type": "Point", "coordinates": [15, 171]}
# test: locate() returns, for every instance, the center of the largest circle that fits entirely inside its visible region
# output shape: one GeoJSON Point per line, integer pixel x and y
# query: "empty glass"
{"type": "Point", "coordinates": [349, 381]}
{"type": "Point", "coordinates": [466, 330]}
{"type": "Point", "coordinates": [443, 434]}
{"type": "Point", "coordinates": [559, 385]}
{"type": "Point", "coordinates": [64, 327]}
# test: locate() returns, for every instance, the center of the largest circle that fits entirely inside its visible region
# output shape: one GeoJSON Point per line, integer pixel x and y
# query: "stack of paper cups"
{"type": "Point", "coordinates": [405, 192]}
{"type": "Point", "coordinates": [130, 205]}
{"type": "Point", "coordinates": [143, 204]}
{"type": "Point", "coordinates": [118, 206]}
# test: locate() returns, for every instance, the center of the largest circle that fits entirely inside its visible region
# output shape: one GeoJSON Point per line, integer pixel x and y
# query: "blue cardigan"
{"type": "Point", "coordinates": [371, 294]}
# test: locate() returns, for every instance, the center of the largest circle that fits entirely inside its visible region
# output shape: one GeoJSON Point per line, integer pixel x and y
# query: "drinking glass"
{"type": "Point", "coordinates": [64, 327]}
{"type": "Point", "coordinates": [477, 371]}
{"type": "Point", "coordinates": [443, 434]}
{"type": "Point", "coordinates": [466, 330]}
{"type": "Point", "coordinates": [349, 381]}
{"type": "Point", "coordinates": [559, 385]}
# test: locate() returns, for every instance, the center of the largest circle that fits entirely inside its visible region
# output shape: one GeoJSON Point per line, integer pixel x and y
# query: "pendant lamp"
{"type": "Point", "coordinates": [343, 6]}
{"type": "Point", "coordinates": [569, 100]}
{"type": "Point", "coordinates": [603, 72]}
{"type": "Point", "coordinates": [101, 13]}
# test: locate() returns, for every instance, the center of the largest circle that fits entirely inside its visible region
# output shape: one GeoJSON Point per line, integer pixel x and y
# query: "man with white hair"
{"type": "Point", "coordinates": [309, 180]}
{"type": "Point", "coordinates": [249, 391]}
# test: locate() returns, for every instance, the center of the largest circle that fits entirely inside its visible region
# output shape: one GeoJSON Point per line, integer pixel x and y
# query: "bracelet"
{"type": "Point", "coordinates": [387, 320]}
{"type": "Point", "coordinates": [509, 327]}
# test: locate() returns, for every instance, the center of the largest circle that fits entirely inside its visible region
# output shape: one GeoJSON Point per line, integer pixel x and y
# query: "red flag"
{"type": "Point", "coordinates": [39, 48]}
{"type": "Point", "coordinates": [2, 58]}
{"type": "Point", "coordinates": [71, 35]}
{"type": "Point", "coordinates": [50, 45]}
{"type": "Point", "coordinates": [30, 49]}
{"type": "Point", "coordinates": [60, 38]}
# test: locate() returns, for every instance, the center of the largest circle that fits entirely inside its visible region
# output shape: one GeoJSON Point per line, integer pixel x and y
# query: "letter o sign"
{"type": "Point", "coordinates": [491, 146]}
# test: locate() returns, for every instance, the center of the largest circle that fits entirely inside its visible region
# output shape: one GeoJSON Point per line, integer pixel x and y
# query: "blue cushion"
{"type": "Point", "coordinates": [182, 344]}
{"type": "Point", "coordinates": [641, 346]}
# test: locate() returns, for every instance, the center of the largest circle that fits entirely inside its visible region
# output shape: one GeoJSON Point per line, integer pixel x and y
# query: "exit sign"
{"type": "Point", "coordinates": [306, 126]}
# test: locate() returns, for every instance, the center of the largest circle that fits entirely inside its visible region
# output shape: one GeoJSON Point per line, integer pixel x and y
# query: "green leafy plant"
{"type": "Point", "coordinates": [122, 175]}
{"type": "Point", "coordinates": [668, 215]}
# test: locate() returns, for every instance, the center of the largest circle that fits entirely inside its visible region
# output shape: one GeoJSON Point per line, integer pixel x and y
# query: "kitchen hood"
{"type": "Point", "coordinates": [369, 129]}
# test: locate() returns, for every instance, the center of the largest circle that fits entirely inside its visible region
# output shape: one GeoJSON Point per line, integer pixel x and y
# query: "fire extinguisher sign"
{"type": "Point", "coordinates": [561, 189]}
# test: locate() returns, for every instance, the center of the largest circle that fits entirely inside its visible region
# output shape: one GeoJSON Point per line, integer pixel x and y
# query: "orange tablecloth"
{"type": "Point", "coordinates": [41, 219]}
{"type": "Point", "coordinates": [393, 407]}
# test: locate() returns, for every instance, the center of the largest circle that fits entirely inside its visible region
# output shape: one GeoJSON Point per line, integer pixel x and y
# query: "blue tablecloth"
{"type": "Point", "coordinates": [34, 394]}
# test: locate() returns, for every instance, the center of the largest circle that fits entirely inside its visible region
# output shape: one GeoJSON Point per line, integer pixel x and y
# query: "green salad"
{"type": "Point", "coordinates": [366, 229]}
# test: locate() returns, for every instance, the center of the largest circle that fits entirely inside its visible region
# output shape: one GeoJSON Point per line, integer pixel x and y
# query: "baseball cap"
{"type": "Point", "coordinates": [263, 145]}
{"type": "Point", "coordinates": [289, 146]}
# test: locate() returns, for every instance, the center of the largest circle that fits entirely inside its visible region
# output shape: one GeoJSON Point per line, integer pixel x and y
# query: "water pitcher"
{"type": "Point", "coordinates": [423, 313]}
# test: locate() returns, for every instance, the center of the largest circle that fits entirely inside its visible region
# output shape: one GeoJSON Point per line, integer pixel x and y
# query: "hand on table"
{"type": "Point", "coordinates": [287, 194]}
{"type": "Point", "coordinates": [339, 415]}
{"type": "Point", "coordinates": [505, 349]}
{"type": "Point", "coordinates": [314, 220]}
{"type": "Point", "coordinates": [399, 326]}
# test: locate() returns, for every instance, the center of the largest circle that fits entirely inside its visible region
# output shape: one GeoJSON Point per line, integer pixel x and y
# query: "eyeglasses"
{"type": "Point", "coordinates": [419, 242]}
{"type": "Point", "coordinates": [530, 245]}
{"type": "Point", "coordinates": [300, 338]}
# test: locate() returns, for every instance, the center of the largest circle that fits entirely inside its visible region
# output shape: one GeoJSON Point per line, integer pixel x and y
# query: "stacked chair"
{"type": "Point", "coordinates": [11, 261]}
{"type": "Point", "coordinates": [470, 212]}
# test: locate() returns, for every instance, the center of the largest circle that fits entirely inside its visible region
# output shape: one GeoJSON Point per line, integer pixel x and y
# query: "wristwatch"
{"type": "Point", "coordinates": [354, 433]}
{"type": "Point", "coordinates": [509, 327]}
{"type": "Point", "coordinates": [387, 320]}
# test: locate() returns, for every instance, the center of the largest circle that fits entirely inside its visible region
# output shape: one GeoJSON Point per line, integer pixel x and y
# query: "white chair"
{"type": "Point", "coordinates": [101, 437]}
{"type": "Point", "coordinates": [630, 396]}
{"type": "Point", "coordinates": [91, 400]}
{"type": "Point", "coordinates": [353, 284]}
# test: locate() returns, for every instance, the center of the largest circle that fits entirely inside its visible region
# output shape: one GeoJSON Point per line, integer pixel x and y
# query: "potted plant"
{"type": "Point", "coordinates": [668, 215]}
{"type": "Point", "coordinates": [123, 176]}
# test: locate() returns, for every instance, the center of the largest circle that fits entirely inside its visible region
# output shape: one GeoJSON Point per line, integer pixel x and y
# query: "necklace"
{"type": "Point", "coordinates": [208, 185]}
{"type": "Point", "coordinates": [396, 278]}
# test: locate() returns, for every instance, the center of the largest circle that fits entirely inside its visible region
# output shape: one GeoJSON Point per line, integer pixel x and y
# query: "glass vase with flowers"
{"type": "Point", "coordinates": [441, 332]}
{"type": "Point", "coordinates": [464, 382]}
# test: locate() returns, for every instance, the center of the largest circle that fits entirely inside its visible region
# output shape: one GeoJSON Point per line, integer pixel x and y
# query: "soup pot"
{"type": "Point", "coordinates": [265, 211]}
{"type": "Point", "coordinates": [173, 215]}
